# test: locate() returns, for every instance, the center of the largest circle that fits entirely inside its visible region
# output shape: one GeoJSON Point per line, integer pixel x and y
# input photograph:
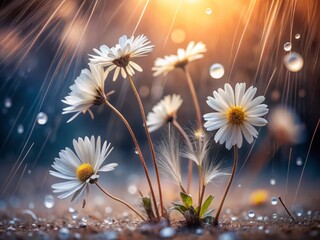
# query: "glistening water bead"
{"type": "Point", "coordinates": [42, 118]}
{"type": "Point", "coordinates": [274, 201]}
{"type": "Point", "coordinates": [273, 181]}
{"type": "Point", "coordinates": [287, 46]}
{"type": "Point", "coordinates": [293, 61]}
{"type": "Point", "coordinates": [7, 102]}
{"type": "Point", "coordinates": [251, 213]}
{"type": "Point", "coordinates": [48, 201]}
{"type": "Point", "coordinates": [216, 71]}
{"type": "Point", "coordinates": [297, 36]}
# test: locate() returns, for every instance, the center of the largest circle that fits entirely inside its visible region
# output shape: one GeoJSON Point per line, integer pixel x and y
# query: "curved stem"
{"type": "Point", "coordinates": [139, 151]}
{"type": "Point", "coordinates": [194, 97]}
{"type": "Point", "coordinates": [119, 200]}
{"type": "Point", "coordinates": [215, 223]}
{"type": "Point", "coordinates": [149, 140]}
{"type": "Point", "coordinates": [199, 183]}
{"type": "Point", "coordinates": [190, 164]}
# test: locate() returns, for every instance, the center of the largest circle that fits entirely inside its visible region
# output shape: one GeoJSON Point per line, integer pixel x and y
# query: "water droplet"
{"type": "Point", "coordinates": [299, 161]}
{"type": "Point", "coordinates": [216, 71]}
{"type": "Point", "coordinates": [199, 231]}
{"type": "Point", "coordinates": [167, 232]}
{"type": "Point", "coordinates": [234, 218]}
{"type": "Point", "coordinates": [273, 181]}
{"type": "Point", "coordinates": [251, 213]}
{"type": "Point", "coordinates": [20, 129]}
{"type": "Point", "coordinates": [208, 11]}
{"type": "Point", "coordinates": [42, 118]}
{"type": "Point", "coordinates": [84, 219]}
{"type": "Point", "coordinates": [274, 215]}
{"type": "Point", "coordinates": [293, 61]}
{"type": "Point", "coordinates": [267, 231]}
{"type": "Point", "coordinates": [7, 102]}
{"type": "Point", "coordinates": [136, 151]}
{"type": "Point", "coordinates": [260, 227]}
{"type": "Point", "coordinates": [75, 215]}
{"type": "Point", "coordinates": [297, 36]}
{"type": "Point", "coordinates": [48, 201]}
{"type": "Point", "coordinates": [108, 221]}
{"type": "Point", "coordinates": [299, 213]}
{"type": "Point", "coordinates": [274, 201]}
{"type": "Point", "coordinates": [77, 236]}
{"type": "Point", "coordinates": [108, 210]}
{"type": "Point", "coordinates": [11, 228]}
{"type": "Point", "coordinates": [309, 212]}
{"type": "Point", "coordinates": [71, 209]}
{"type": "Point", "coordinates": [64, 233]}
{"type": "Point", "coordinates": [287, 46]}
{"type": "Point", "coordinates": [239, 185]}
{"type": "Point", "coordinates": [132, 189]}
{"type": "Point", "coordinates": [29, 171]}
{"type": "Point", "coordinates": [228, 211]}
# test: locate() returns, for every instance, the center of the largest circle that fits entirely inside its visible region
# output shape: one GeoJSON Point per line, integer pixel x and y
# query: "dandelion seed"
{"type": "Point", "coordinates": [237, 113]}
{"type": "Point", "coordinates": [164, 112]}
{"type": "Point", "coordinates": [80, 167]}
{"type": "Point", "coordinates": [119, 57]}
{"type": "Point", "coordinates": [166, 64]}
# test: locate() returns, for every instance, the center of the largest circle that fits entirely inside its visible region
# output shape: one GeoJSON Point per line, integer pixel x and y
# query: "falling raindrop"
{"type": "Point", "coordinates": [274, 215]}
{"type": "Point", "coordinates": [208, 11]}
{"type": "Point", "coordinates": [42, 118]}
{"type": "Point", "coordinates": [287, 46]}
{"type": "Point", "coordinates": [132, 189]}
{"type": "Point", "coordinates": [297, 36]}
{"type": "Point", "coordinates": [299, 161]}
{"type": "Point", "coordinates": [7, 102]}
{"type": "Point", "coordinates": [167, 232]}
{"type": "Point", "coordinates": [293, 61]}
{"type": "Point", "coordinates": [20, 129]}
{"type": "Point", "coordinates": [251, 213]}
{"type": "Point", "coordinates": [64, 233]}
{"type": "Point", "coordinates": [216, 71]}
{"type": "Point", "coordinates": [273, 181]}
{"type": "Point", "coordinates": [274, 201]}
{"type": "Point", "coordinates": [48, 201]}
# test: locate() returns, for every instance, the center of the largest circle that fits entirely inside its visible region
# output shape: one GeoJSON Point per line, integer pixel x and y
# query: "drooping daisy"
{"type": "Point", "coordinates": [120, 56]}
{"type": "Point", "coordinates": [80, 167]}
{"type": "Point", "coordinates": [166, 64]}
{"type": "Point", "coordinates": [237, 112]}
{"type": "Point", "coordinates": [165, 111]}
{"type": "Point", "coordinates": [87, 90]}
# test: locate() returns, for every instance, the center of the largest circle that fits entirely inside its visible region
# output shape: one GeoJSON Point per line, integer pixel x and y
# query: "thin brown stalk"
{"type": "Point", "coordinates": [143, 115]}
{"type": "Point", "coordinates": [119, 200]}
{"type": "Point", "coordinates": [139, 152]}
{"type": "Point", "coordinates": [215, 223]}
{"type": "Point", "coordinates": [287, 210]}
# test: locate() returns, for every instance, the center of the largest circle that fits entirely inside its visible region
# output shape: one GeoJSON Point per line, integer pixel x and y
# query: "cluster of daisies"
{"type": "Point", "coordinates": [236, 113]}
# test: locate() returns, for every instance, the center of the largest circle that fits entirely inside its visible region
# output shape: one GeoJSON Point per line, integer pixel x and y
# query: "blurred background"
{"type": "Point", "coordinates": [273, 45]}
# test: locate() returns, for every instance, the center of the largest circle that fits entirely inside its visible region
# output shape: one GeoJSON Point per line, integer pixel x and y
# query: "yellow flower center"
{"type": "Point", "coordinates": [236, 115]}
{"type": "Point", "coordinates": [84, 171]}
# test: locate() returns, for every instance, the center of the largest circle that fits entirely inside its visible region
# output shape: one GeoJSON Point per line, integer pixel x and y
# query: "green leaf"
{"type": "Point", "coordinates": [186, 199]}
{"type": "Point", "coordinates": [180, 208]}
{"type": "Point", "coordinates": [208, 213]}
{"type": "Point", "coordinates": [205, 205]}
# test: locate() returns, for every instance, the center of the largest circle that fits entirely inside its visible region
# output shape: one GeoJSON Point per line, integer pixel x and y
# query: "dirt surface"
{"type": "Point", "coordinates": [28, 226]}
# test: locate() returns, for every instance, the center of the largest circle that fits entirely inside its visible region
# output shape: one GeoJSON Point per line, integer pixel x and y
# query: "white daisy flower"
{"type": "Point", "coordinates": [168, 63]}
{"type": "Point", "coordinates": [87, 90]}
{"type": "Point", "coordinates": [120, 56]}
{"type": "Point", "coordinates": [237, 113]}
{"type": "Point", "coordinates": [165, 111]}
{"type": "Point", "coordinates": [80, 167]}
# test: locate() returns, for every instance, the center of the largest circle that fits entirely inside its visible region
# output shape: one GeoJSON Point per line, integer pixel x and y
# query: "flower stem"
{"type": "Point", "coordinates": [201, 198]}
{"type": "Point", "coordinates": [190, 165]}
{"type": "Point", "coordinates": [119, 200]}
{"type": "Point", "coordinates": [139, 152]}
{"type": "Point", "coordinates": [215, 223]}
{"type": "Point", "coordinates": [194, 97]}
{"type": "Point", "coordinates": [143, 115]}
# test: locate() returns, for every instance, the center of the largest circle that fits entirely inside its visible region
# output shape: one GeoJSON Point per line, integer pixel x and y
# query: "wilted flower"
{"type": "Point", "coordinates": [120, 56]}
{"type": "Point", "coordinates": [285, 126]}
{"type": "Point", "coordinates": [165, 111]}
{"type": "Point", "coordinates": [87, 90]}
{"type": "Point", "coordinates": [168, 63]}
{"type": "Point", "coordinates": [237, 113]}
{"type": "Point", "coordinates": [80, 167]}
